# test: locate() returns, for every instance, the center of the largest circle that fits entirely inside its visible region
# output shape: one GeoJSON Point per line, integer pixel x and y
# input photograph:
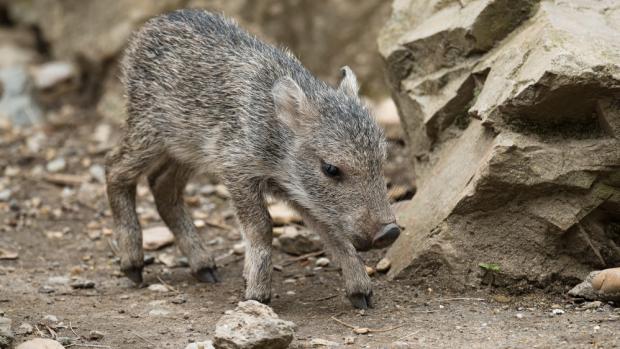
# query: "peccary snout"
{"type": "Point", "coordinates": [386, 236]}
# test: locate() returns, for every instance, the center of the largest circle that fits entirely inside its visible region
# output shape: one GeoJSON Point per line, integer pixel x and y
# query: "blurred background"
{"type": "Point", "coordinates": [69, 50]}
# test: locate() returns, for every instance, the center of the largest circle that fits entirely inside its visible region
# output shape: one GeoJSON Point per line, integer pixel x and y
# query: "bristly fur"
{"type": "Point", "coordinates": [202, 96]}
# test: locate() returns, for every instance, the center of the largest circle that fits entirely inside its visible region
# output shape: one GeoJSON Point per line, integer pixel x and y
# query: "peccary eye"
{"type": "Point", "coordinates": [330, 170]}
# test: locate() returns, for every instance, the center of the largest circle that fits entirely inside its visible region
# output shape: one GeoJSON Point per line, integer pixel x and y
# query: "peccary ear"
{"type": "Point", "coordinates": [291, 102]}
{"type": "Point", "coordinates": [348, 84]}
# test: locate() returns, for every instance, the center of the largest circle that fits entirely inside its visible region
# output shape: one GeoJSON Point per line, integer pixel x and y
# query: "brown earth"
{"type": "Point", "coordinates": [130, 317]}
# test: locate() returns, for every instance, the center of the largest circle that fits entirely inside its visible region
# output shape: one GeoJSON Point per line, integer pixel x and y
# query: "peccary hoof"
{"type": "Point", "coordinates": [360, 300]}
{"type": "Point", "coordinates": [134, 274]}
{"type": "Point", "coordinates": [208, 275]}
{"type": "Point", "coordinates": [265, 301]}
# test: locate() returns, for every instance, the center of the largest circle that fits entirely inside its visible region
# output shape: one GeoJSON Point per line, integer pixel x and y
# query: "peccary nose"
{"type": "Point", "coordinates": [386, 236]}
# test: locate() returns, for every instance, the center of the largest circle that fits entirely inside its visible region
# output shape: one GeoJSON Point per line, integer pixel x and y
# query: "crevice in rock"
{"type": "Point", "coordinates": [561, 107]}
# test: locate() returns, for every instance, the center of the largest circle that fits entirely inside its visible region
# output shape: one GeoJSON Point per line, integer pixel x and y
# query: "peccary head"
{"type": "Point", "coordinates": [335, 161]}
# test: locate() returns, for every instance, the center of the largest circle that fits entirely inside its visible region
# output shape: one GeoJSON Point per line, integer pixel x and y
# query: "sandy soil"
{"type": "Point", "coordinates": [62, 232]}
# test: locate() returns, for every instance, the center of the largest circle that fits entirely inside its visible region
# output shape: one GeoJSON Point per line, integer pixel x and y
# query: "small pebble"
{"type": "Point", "coordinates": [383, 265]}
{"type": "Point", "coordinates": [592, 305]}
{"type": "Point", "coordinates": [56, 165]}
{"type": "Point", "coordinates": [556, 312]}
{"type": "Point", "coordinates": [322, 262]}
{"type": "Point", "coordinates": [320, 342]}
{"type": "Point", "coordinates": [200, 223]}
{"type": "Point", "coordinates": [159, 312]}
{"type": "Point", "coordinates": [95, 335]}
{"type": "Point", "coordinates": [239, 248]}
{"type": "Point", "coordinates": [82, 284]}
{"type": "Point", "coordinates": [97, 172]}
{"type": "Point", "coordinates": [25, 328]}
{"type": "Point", "coordinates": [519, 316]}
{"type": "Point", "coordinates": [50, 318]}
{"type": "Point", "coordinates": [158, 288]}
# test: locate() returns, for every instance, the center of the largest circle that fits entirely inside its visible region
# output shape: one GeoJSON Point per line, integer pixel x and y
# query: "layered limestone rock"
{"type": "Point", "coordinates": [512, 112]}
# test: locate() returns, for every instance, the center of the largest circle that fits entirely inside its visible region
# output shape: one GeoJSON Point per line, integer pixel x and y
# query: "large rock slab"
{"type": "Point", "coordinates": [512, 115]}
{"type": "Point", "coordinates": [252, 325]}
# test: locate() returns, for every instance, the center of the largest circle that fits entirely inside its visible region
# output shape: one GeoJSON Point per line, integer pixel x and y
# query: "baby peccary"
{"type": "Point", "coordinates": [205, 96]}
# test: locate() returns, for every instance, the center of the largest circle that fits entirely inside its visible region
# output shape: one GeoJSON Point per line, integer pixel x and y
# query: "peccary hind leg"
{"type": "Point", "coordinates": [167, 184]}
{"type": "Point", "coordinates": [256, 226]}
{"type": "Point", "coordinates": [123, 169]}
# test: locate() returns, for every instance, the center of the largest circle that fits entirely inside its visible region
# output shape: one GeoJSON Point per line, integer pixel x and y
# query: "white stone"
{"type": "Point", "coordinates": [156, 237]}
{"type": "Point", "coordinates": [322, 262]}
{"type": "Point", "coordinates": [158, 288]}
{"type": "Point", "coordinates": [252, 324]}
{"type": "Point", "coordinates": [200, 345]}
{"type": "Point", "coordinates": [40, 343]}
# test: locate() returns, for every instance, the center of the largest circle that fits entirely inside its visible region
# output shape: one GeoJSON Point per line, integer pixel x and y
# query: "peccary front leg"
{"type": "Point", "coordinates": [167, 184]}
{"type": "Point", "coordinates": [256, 227]}
{"type": "Point", "coordinates": [357, 283]}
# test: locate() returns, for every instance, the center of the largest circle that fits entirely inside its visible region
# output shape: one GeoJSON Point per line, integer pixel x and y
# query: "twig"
{"type": "Point", "coordinates": [343, 323]}
{"type": "Point", "coordinates": [72, 330]}
{"type": "Point", "coordinates": [386, 329]}
{"type": "Point", "coordinates": [65, 179]}
{"type": "Point", "coordinates": [407, 336]}
{"type": "Point", "coordinates": [325, 298]}
{"type": "Point", "coordinates": [144, 339]}
{"type": "Point", "coordinates": [596, 252]}
{"type": "Point", "coordinates": [365, 329]}
{"type": "Point", "coordinates": [221, 260]}
{"type": "Point", "coordinates": [219, 225]}
{"type": "Point", "coordinates": [52, 332]}
{"type": "Point", "coordinates": [39, 331]}
{"type": "Point", "coordinates": [170, 287]}
{"type": "Point", "coordinates": [457, 299]}
{"type": "Point", "coordinates": [224, 256]}
{"type": "Point", "coordinates": [302, 257]}
{"type": "Point", "coordinates": [113, 247]}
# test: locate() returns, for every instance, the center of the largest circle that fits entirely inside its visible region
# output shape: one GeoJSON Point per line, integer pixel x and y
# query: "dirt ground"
{"type": "Point", "coordinates": [62, 232]}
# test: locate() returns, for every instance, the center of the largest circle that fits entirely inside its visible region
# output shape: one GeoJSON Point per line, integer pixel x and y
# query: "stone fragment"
{"type": "Point", "coordinates": [50, 74]}
{"type": "Point", "coordinates": [95, 335]}
{"type": "Point", "coordinates": [239, 248]}
{"type": "Point", "coordinates": [40, 343]}
{"type": "Point", "coordinates": [156, 237]}
{"type": "Point", "coordinates": [158, 288]}
{"type": "Point", "coordinates": [80, 283]}
{"type": "Point", "coordinates": [6, 334]}
{"type": "Point", "coordinates": [323, 343]}
{"type": "Point", "coordinates": [252, 325]}
{"type": "Point", "coordinates": [16, 102]}
{"type": "Point", "coordinates": [383, 265]}
{"type": "Point", "coordinates": [200, 345]}
{"type": "Point", "coordinates": [598, 285]}
{"type": "Point", "coordinates": [56, 165]}
{"type": "Point", "coordinates": [298, 241]}
{"type": "Point", "coordinates": [607, 281]}
{"type": "Point", "coordinates": [6, 254]}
